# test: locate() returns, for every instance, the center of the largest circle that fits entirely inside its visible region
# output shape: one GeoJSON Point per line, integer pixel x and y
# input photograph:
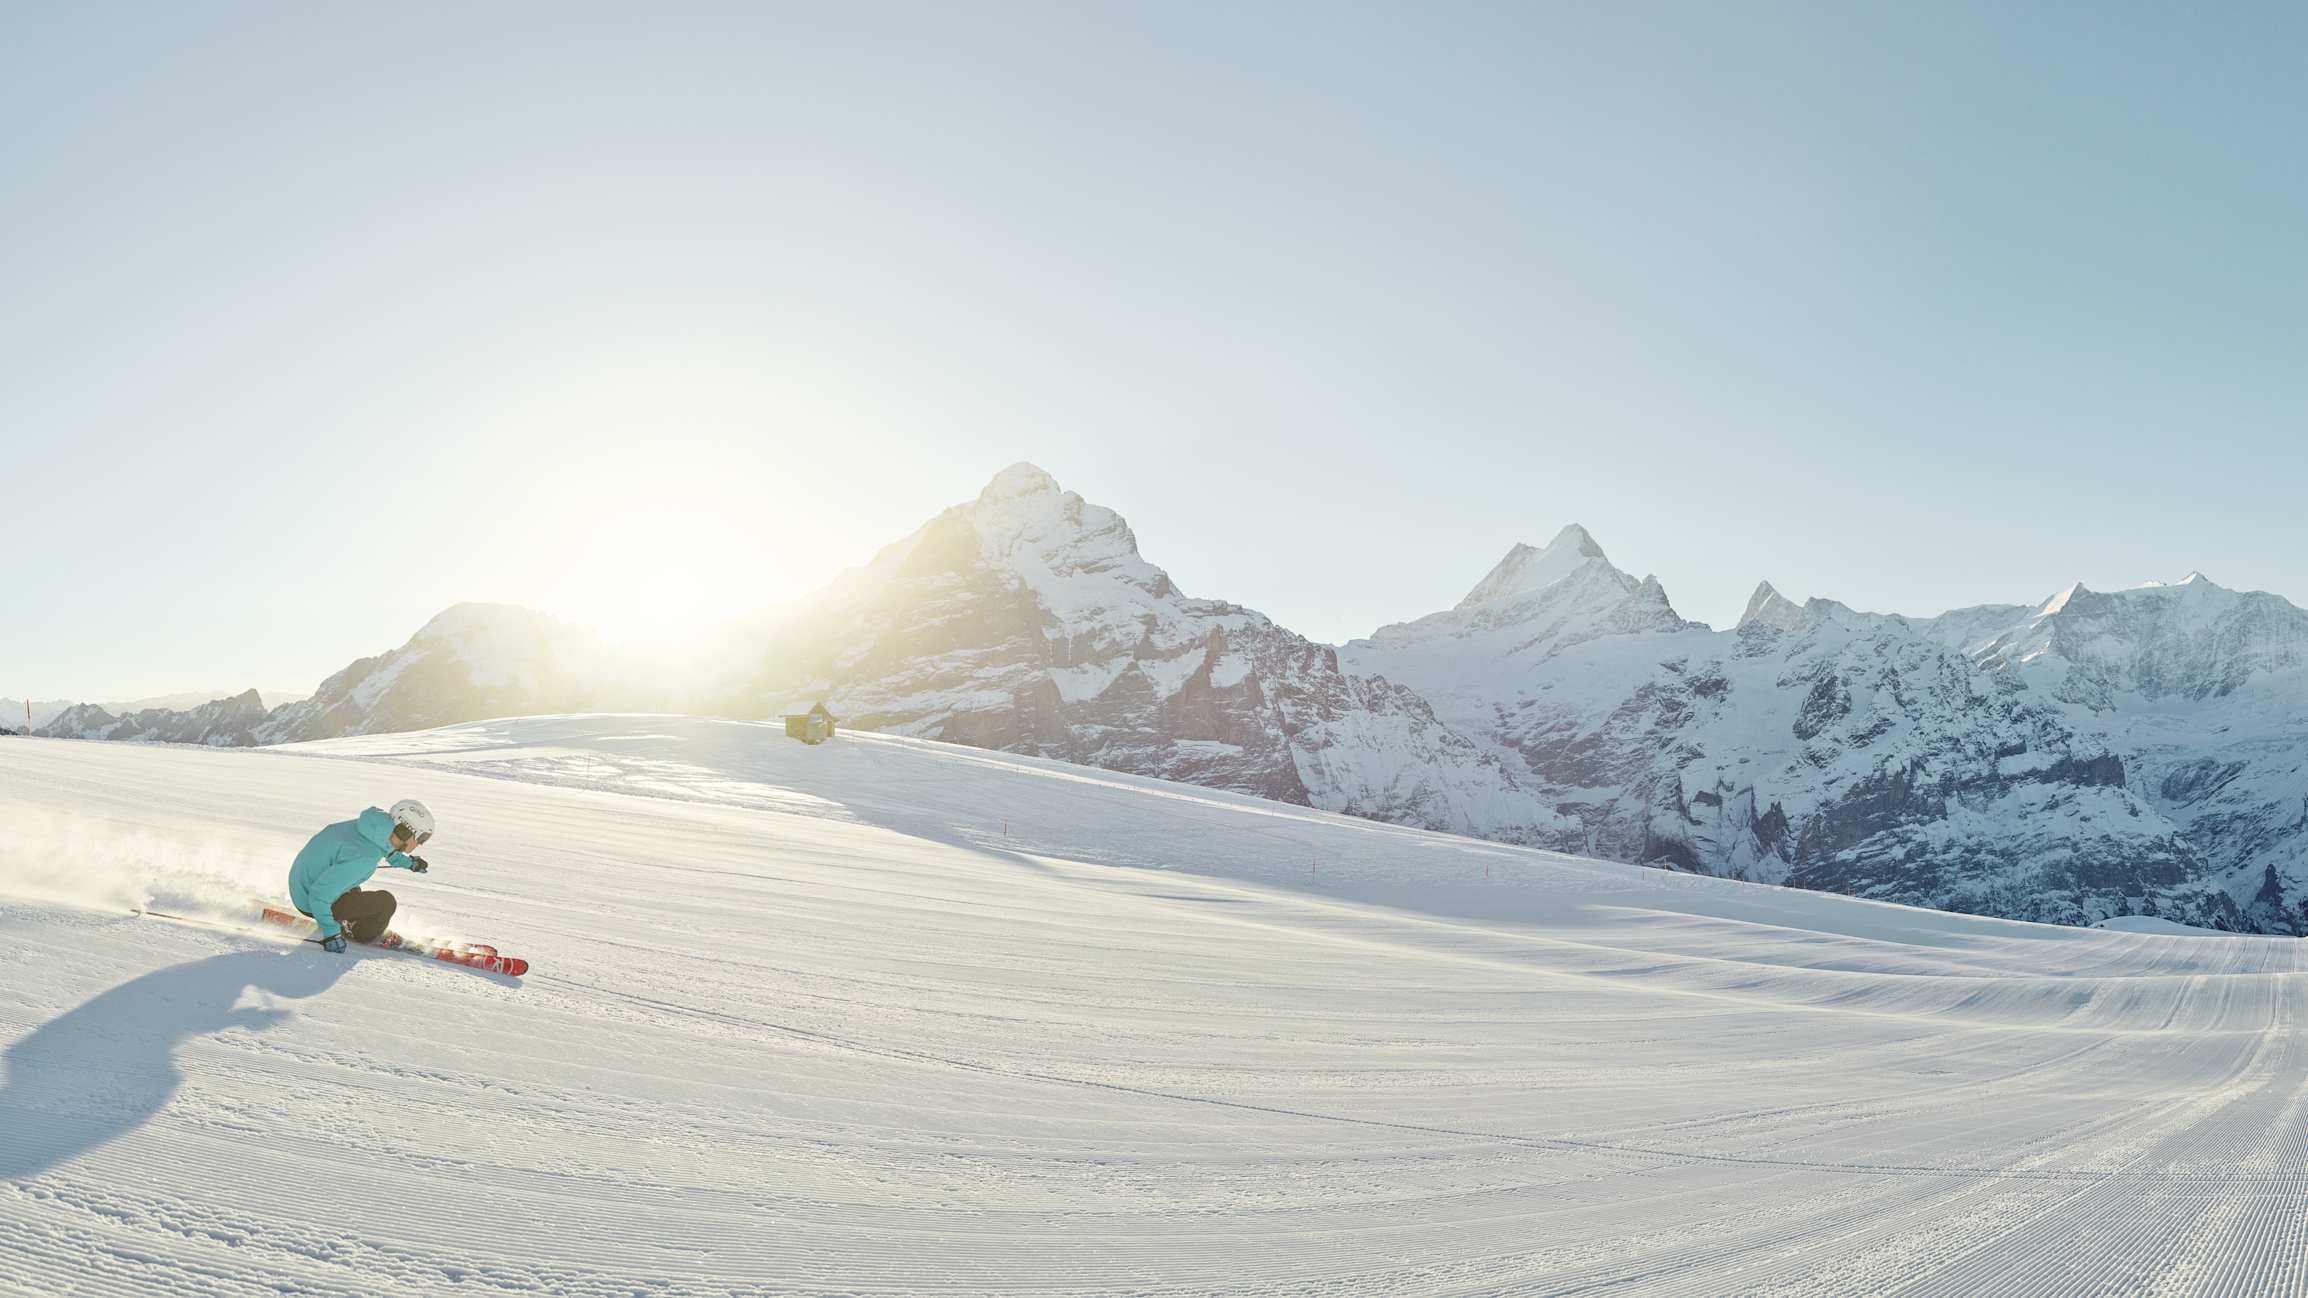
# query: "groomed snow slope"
{"type": "Point", "coordinates": [886, 1016]}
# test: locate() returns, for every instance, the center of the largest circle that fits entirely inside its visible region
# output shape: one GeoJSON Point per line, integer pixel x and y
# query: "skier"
{"type": "Point", "coordinates": [325, 883]}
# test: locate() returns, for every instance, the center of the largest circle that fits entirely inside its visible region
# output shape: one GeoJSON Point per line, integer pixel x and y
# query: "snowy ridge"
{"type": "Point", "coordinates": [223, 721]}
{"type": "Point", "coordinates": [890, 1016]}
{"type": "Point", "coordinates": [471, 660]}
{"type": "Point", "coordinates": [1540, 600]}
{"type": "Point", "coordinates": [1968, 762]}
{"type": "Point", "coordinates": [2191, 640]}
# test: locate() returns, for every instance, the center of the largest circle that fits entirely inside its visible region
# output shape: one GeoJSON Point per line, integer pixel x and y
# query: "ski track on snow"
{"type": "Point", "coordinates": [891, 1017]}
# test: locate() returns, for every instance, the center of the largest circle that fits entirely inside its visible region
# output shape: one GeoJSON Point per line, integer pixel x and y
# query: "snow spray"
{"type": "Point", "coordinates": [88, 861]}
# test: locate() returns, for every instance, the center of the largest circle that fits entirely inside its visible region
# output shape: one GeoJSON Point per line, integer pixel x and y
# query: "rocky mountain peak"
{"type": "Point", "coordinates": [1020, 479]}
{"type": "Point", "coordinates": [2059, 603]}
{"type": "Point", "coordinates": [1647, 608]}
{"type": "Point", "coordinates": [1079, 559]}
{"type": "Point", "coordinates": [1767, 607]}
{"type": "Point", "coordinates": [1526, 570]}
{"type": "Point", "coordinates": [1576, 540]}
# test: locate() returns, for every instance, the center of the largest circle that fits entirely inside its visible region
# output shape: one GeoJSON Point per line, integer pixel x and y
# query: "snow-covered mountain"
{"type": "Point", "coordinates": [201, 717]}
{"type": "Point", "coordinates": [2000, 759]}
{"type": "Point", "coordinates": [2143, 751]}
{"type": "Point", "coordinates": [471, 661]}
{"type": "Point", "coordinates": [221, 722]}
{"type": "Point", "coordinates": [1026, 620]}
{"type": "Point", "coordinates": [2205, 692]}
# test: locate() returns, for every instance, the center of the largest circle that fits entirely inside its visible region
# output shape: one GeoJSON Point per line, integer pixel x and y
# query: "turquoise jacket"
{"type": "Point", "coordinates": [340, 859]}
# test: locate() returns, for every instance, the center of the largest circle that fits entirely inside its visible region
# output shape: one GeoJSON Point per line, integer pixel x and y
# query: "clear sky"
{"type": "Point", "coordinates": [315, 319]}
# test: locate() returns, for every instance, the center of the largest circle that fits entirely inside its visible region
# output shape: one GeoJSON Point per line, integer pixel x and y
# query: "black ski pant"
{"type": "Point", "coordinates": [364, 913]}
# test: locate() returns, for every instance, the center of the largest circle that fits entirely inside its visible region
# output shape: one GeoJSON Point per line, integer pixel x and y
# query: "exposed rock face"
{"type": "Point", "coordinates": [1028, 621]}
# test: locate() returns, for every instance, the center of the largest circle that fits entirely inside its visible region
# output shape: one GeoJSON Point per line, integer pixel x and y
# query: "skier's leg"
{"type": "Point", "coordinates": [364, 913]}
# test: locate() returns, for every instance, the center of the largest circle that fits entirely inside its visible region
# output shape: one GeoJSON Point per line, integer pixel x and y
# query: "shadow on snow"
{"type": "Point", "coordinates": [102, 1070]}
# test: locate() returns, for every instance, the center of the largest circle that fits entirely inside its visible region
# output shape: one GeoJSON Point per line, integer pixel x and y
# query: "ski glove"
{"type": "Point", "coordinates": [417, 865]}
{"type": "Point", "coordinates": [334, 942]}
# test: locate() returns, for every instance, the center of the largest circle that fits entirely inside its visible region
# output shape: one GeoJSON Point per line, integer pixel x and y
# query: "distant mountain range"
{"type": "Point", "coordinates": [2099, 753]}
{"type": "Point", "coordinates": [13, 712]}
{"type": "Point", "coordinates": [2142, 751]}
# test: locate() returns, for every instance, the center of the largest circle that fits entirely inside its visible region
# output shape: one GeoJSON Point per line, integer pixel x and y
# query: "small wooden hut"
{"type": "Point", "coordinates": [812, 727]}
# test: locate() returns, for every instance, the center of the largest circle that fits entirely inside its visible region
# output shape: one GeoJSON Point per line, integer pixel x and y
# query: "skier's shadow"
{"type": "Point", "coordinates": [101, 1071]}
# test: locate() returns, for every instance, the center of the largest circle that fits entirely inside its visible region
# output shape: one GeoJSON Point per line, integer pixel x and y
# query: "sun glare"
{"type": "Point", "coordinates": [652, 578]}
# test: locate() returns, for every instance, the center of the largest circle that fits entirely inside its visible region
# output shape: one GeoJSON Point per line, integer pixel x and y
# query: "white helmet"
{"type": "Point", "coordinates": [411, 815]}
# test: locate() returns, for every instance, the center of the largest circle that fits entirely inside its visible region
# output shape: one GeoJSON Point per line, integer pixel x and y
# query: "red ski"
{"type": "Point", "coordinates": [470, 955]}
